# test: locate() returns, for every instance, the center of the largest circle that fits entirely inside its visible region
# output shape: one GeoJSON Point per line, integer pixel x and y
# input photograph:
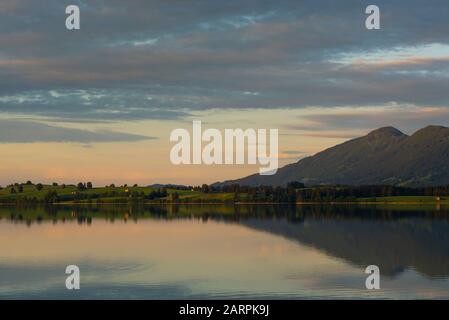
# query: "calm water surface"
{"type": "Point", "coordinates": [218, 251]}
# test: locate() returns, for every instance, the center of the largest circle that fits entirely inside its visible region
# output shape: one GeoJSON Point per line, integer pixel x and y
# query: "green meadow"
{"type": "Point", "coordinates": [119, 194]}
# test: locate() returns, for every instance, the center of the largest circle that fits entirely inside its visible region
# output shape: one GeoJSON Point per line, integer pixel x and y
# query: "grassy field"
{"type": "Point", "coordinates": [31, 191]}
{"type": "Point", "coordinates": [103, 194]}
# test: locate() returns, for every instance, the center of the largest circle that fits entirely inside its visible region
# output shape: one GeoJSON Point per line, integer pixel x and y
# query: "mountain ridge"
{"type": "Point", "coordinates": [383, 156]}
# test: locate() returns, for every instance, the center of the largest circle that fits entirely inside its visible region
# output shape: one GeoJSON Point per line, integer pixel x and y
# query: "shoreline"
{"type": "Point", "coordinates": [237, 203]}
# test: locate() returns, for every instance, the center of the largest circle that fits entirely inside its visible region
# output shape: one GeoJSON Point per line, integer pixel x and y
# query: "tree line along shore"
{"type": "Point", "coordinates": [293, 192]}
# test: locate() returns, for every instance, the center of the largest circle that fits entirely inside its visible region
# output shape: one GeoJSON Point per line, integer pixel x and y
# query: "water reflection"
{"type": "Point", "coordinates": [181, 251]}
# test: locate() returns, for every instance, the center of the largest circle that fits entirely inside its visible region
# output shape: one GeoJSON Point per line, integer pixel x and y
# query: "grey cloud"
{"type": "Point", "coordinates": [203, 54]}
{"type": "Point", "coordinates": [19, 131]}
{"type": "Point", "coordinates": [406, 118]}
{"type": "Point", "coordinates": [92, 105]}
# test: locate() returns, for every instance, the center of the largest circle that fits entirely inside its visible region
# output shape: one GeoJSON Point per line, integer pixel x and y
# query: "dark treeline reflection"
{"type": "Point", "coordinates": [395, 238]}
{"type": "Point", "coordinates": [290, 212]}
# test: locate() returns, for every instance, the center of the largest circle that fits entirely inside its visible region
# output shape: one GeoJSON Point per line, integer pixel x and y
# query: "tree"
{"type": "Point", "coordinates": [174, 197]}
{"type": "Point", "coordinates": [51, 197]}
{"type": "Point", "coordinates": [39, 186]}
{"type": "Point", "coordinates": [13, 191]}
{"type": "Point", "coordinates": [135, 194]}
{"type": "Point", "coordinates": [20, 188]}
{"type": "Point", "coordinates": [81, 186]}
{"type": "Point", "coordinates": [54, 184]}
{"type": "Point", "coordinates": [295, 185]}
{"type": "Point", "coordinates": [89, 185]}
{"type": "Point", "coordinates": [28, 183]}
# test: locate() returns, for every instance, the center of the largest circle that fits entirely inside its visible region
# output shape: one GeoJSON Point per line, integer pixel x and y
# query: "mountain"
{"type": "Point", "coordinates": [384, 156]}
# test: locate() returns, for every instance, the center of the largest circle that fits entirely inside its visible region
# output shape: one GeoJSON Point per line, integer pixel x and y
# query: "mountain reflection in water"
{"type": "Point", "coordinates": [396, 238]}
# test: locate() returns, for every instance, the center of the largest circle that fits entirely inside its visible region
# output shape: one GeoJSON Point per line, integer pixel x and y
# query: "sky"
{"type": "Point", "coordinates": [98, 104]}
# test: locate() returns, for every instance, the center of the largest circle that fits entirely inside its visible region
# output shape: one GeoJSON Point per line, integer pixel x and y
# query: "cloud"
{"type": "Point", "coordinates": [92, 105]}
{"type": "Point", "coordinates": [351, 122]}
{"type": "Point", "coordinates": [19, 131]}
{"type": "Point", "coordinates": [293, 152]}
{"type": "Point", "coordinates": [203, 54]}
{"type": "Point", "coordinates": [292, 155]}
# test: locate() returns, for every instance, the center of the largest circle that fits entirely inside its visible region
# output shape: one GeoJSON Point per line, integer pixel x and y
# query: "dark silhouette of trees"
{"type": "Point", "coordinates": [157, 194]}
{"type": "Point", "coordinates": [295, 185]}
{"type": "Point", "coordinates": [51, 197]}
{"type": "Point", "coordinates": [81, 186]}
{"type": "Point", "coordinates": [174, 197]}
{"type": "Point", "coordinates": [39, 186]}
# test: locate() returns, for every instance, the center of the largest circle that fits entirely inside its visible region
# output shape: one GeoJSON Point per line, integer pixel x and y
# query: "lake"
{"type": "Point", "coordinates": [225, 252]}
